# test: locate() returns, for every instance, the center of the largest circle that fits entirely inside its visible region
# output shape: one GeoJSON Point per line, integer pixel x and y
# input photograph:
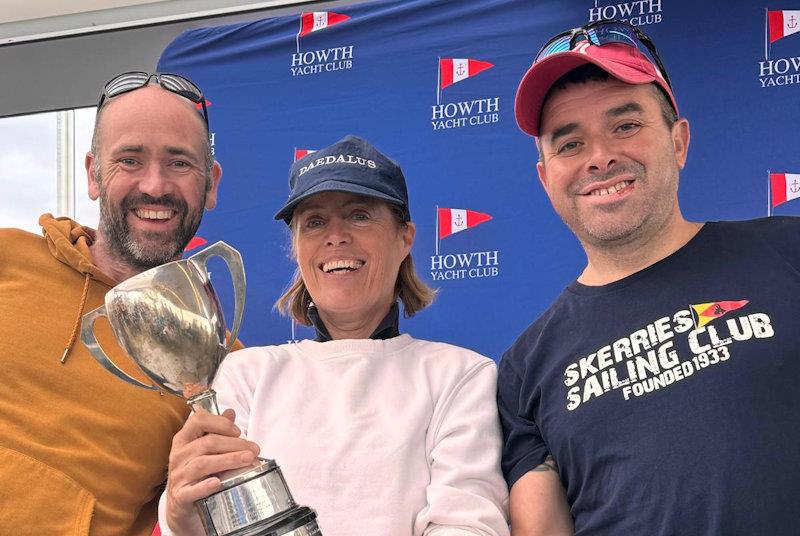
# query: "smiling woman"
{"type": "Point", "coordinates": [349, 249]}
{"type": "Point", "coordinates": [368, 424]}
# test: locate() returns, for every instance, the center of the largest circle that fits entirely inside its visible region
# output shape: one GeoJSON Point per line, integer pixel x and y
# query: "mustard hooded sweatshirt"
{"type": "Point", "coordinates": [81, 452]}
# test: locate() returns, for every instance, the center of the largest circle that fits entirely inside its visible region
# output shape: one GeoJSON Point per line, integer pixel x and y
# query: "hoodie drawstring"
{"type": "Point", "coordinates": [76, 326]}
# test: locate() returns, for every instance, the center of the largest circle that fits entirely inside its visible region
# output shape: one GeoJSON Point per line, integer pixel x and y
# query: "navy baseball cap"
{"type": "Point", "coordinates": [350, 165]}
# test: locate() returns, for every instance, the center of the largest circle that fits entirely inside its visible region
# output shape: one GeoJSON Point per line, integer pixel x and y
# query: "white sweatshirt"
{"type": "Point", "coordinates": [395, 437]}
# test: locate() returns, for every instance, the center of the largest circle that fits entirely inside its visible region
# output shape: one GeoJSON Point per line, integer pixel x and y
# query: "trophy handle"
{"type": "Point", "coordinates": [90, 341]}
{"type": "Point", "coordinates": [234, 261]}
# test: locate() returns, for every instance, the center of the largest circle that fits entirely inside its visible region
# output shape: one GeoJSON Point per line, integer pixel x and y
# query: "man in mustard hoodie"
{"type": "Point", "coordinates": [82, 453]}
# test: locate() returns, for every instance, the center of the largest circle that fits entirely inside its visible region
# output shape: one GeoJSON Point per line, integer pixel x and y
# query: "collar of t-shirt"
{"type": "Point", "coordinates": [387, 329]}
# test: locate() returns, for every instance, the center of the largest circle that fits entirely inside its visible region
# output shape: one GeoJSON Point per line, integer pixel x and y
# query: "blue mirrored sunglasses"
{"type": "Point", "coordinates": [603, 32]}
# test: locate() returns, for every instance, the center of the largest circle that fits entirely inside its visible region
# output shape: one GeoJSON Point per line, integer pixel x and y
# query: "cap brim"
{"type": "Point", "coordinates": [542, 75]}
{"type": "Point", "coordinates": [285, 213]}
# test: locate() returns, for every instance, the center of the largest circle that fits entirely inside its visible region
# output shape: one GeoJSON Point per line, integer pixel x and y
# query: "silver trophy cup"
{"type": "Point", "coordinates": [170, 322]}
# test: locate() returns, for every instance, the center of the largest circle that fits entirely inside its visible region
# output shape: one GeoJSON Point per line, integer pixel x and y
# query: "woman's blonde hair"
{"type": "Point", "coordinates": [409, 287]}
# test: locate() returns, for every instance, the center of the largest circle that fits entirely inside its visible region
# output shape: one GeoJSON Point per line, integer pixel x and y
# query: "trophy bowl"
{"type": "Point", "coordinates": [169, 320]}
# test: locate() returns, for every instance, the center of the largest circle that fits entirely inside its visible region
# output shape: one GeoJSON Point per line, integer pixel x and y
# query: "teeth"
{"type": "Point", "coordinates": [345, 264]}
{"type": "Point", "coordinates": [611, 189]}
{"type": "Point", "coordinates": [153, 214]}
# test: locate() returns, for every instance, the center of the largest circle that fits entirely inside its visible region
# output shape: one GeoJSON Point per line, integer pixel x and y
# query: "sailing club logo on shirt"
{"type": "Point", "coordinates": [465, 112]}
{"type": "Point", "coordinates": [447, 266]}
{"type": "Point", "coordinates": [325, 60]}
{"type": "Point", "coordinates": [648, 360]}
{"type": "Point", "coordinates": [638, 13]}
{"type": "Point", "coordinates": [781, 64]}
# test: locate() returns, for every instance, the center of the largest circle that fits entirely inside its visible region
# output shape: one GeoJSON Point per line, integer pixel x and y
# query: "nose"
{"type": "Point", "coordinates": [154, 182]}
{"type": "Point", "coordinates": [337, 233]}
{"type": "Point", "coordinates": [602, 157]}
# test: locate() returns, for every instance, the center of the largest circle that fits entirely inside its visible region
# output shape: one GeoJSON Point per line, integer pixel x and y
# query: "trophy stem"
{"type": "Point", "coordinates": [207, 401]}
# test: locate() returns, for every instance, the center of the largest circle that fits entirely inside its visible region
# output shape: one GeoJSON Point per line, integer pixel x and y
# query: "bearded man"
{"type": "Point", "coordinates": [81, 452]}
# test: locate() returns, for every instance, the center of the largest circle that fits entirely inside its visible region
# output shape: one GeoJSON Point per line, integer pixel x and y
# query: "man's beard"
{"type": "Point", "coordinates": [145, 250]}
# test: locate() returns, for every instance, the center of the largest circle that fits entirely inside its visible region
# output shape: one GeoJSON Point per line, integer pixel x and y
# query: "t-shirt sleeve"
{"type": "Point", "coordinates": [523, 446]}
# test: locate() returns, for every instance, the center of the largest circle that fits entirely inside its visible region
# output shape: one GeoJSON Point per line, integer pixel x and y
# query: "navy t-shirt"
{"type": "Point", "coordinates": [670, 399]}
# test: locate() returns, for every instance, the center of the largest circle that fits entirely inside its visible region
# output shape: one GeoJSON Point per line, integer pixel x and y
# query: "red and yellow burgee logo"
{"type": "Point", "coordinates": [706, 312]}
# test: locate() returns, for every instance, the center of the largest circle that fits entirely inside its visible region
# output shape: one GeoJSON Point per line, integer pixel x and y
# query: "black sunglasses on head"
{"type": "Point", "coordinates": [177, 84]}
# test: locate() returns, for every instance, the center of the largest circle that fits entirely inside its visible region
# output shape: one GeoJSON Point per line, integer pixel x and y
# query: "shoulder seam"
{"type": "Point", "coordinates": [468, 376]}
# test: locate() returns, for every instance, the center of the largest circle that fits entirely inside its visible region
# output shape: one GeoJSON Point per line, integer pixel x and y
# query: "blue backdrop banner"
{"type": "Point", "coordinates": [431, 83]}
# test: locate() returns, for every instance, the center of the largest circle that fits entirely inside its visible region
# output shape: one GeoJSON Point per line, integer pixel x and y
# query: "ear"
{"type": "Point", "coordinates": [408, 232]}
{"type": "Point", "coordinates": [94, 186]}
{"type": "Point", "coordinates": [680, 141]}
{"type": "Point", "coordinates": [540, 169]}
{"type": "Point", "coordinates": [211, 196]}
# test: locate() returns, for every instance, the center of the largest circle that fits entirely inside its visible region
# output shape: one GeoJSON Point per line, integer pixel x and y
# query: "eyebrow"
{"type": "Point", "coordinates": [181, 151]}
{"type": "Point", "coordinates": [613, 112]}
{"type": "Point", "coordinates": [130, 149]}
{"type": "Point", "coordinates": [178, 151]}
{"type": "Point", "coordinates": [366, 201]}
{"type": "Point", "coordinates": [624, 109]}
{"type": "Point", "coordinates": [174, 151]}
{"type": "Point", "coordinates": [565, 130]}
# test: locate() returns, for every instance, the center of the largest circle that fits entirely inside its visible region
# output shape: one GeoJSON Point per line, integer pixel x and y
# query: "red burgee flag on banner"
{"type": "Point", "coordinates": [156, 530]}
{"type": "Point", "coordinates": [455, 220]}
{"type": "Point", "coordinates": [300, 153]}
{"type": "Point", "coordinates": [195, 242]}
{"type": "Point", "coordinates": [455, 70]}
{"type": "Point", "coordinates": [783, 23]}
{"type": "Point", "coordinates": [199, 105]}
{"type": "Point", "coordinates": [319, 20]}
{"type": "Point", "coordinates": [706, 312]}
{"type": "Point", "coordinates": [785, 187]}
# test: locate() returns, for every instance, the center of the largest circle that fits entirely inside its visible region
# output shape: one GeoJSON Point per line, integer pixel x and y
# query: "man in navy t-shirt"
{"type": "Point", "coordinates": [658, 394]}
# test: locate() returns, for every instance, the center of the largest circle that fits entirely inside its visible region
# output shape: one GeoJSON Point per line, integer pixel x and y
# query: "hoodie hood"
{"type": "Point", "coordinates": [69, 242]}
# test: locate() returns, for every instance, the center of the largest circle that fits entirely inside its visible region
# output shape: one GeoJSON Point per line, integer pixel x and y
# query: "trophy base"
{"type": "Point", "coordinates": [299, 521]}
{"type": "Point", "coordinates": [255, 497]}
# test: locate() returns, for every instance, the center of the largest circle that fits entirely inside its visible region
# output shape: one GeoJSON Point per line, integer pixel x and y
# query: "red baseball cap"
{"type": "Point", "coordinates": [621, 61]}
